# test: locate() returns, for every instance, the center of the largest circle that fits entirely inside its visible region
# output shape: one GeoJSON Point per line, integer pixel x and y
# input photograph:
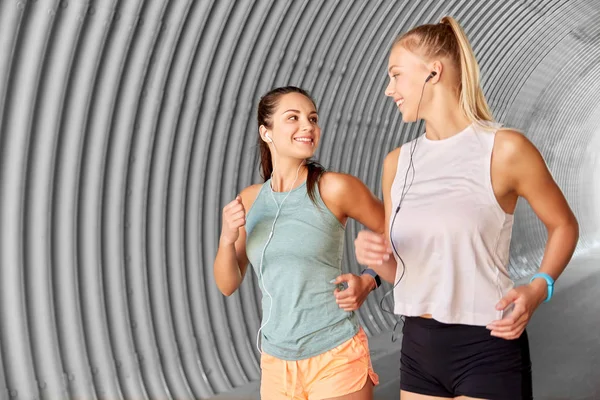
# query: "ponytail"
{"type": "Point", "coordinates": [472, 101]}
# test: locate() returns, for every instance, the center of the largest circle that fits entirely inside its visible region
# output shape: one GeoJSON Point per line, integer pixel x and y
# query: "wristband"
{"type": "Point", "coordinates": [549, 281]}
{"type": "Point", "coordinates": [369, 271]}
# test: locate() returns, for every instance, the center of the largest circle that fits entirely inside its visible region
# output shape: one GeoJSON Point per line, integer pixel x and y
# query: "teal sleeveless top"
{"type": "Point", "coordinates": [303, 256]}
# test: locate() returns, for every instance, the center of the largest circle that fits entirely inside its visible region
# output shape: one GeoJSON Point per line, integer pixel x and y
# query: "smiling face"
{"type": "Point", "coordinates": [407, 72]}
{"type": "Point", "coordinates": [294, 129]}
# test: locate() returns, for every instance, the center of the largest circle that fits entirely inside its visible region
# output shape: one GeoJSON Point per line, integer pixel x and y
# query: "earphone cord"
{"type": "Point", "coordinates": [265, 248]}
{"type": "Point", "coordinates": [402, 195]}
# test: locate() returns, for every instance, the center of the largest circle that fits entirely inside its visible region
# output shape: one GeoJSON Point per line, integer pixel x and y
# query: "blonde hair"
{"type": "Point", "coordinates": [447, 39]}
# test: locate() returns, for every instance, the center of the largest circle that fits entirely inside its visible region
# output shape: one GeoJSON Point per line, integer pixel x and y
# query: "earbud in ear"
{"type": "Point", "coordinates": [431, 75]}
{"type": "Point", "coordinates": [268, 138]}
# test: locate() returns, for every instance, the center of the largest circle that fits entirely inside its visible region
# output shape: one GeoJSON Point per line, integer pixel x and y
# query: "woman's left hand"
{"type": "Point", "coordinates": [356, 292]}
{"type": "Point", "coordinates": [526, 300]}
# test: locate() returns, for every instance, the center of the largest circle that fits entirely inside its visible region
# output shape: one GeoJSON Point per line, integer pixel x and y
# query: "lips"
{"type": "Point", "coordinates": [399, 102]}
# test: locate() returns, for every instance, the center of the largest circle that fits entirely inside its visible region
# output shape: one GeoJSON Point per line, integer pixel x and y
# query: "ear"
{"type": "Point", "coordinates": [263, 131]}
{"type": "Point", "coordinates": [438, 67]}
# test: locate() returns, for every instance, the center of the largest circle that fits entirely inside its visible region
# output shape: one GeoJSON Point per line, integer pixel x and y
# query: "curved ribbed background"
{"type": "Point", "coordinates": [127, 125]}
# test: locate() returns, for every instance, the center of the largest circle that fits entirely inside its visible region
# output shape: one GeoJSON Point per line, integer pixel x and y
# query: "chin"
{"type": "Point", "coordinates": [307, 155]}
{"type": "Point", "coordinates": [301, 155]}
{"type": "Point", "coordinates": [407, 119]}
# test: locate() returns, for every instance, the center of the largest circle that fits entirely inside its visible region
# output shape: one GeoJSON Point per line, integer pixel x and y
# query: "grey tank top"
{"type": "Point", "coordinates": [303, 256]}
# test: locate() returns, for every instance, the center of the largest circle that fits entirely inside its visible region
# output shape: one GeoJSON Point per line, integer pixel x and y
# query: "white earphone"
{"type": "Point", "coordinates": [262, 255]}
{"type": "Point", "coordinates": [268, 138]}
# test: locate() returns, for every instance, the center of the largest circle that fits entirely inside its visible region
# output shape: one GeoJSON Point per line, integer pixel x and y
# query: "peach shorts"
{"type": "Point", "coordinates": [337, 372]}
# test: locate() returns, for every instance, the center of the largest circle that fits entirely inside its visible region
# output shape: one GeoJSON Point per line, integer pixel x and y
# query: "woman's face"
{"type": "Point", "coordinates": [295, 129]}
{"type": "Point", "coordinates": [407, 72]}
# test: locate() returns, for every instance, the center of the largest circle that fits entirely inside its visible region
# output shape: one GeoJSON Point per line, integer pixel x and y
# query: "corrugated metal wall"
{"type": "Point", "coordinates": [127, 125]}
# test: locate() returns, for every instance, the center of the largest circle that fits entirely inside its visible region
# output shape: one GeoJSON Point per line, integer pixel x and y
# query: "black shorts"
{"type": "Point", "coordinates": [449, 360]}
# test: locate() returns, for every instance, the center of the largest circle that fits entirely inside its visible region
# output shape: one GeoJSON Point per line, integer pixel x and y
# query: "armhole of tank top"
{"type": "Point", "coordinates": [488, 179]}
{"type": "Point", "coordinates": [402, 162]}
{"type": "Point", "coordinates": [334, 219]}
{"type": "Point", "coordinates": [256, 198]}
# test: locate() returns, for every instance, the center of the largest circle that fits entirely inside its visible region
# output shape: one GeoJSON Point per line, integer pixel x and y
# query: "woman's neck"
{"type": "Point", "coordinates": [445, 117]}
{"type": "Point", "coordinates": [288, 174]}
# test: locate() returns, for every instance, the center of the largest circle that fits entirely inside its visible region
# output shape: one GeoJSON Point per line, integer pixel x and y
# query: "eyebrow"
{"type": "Point", "coordinates": [394, 66]}
{"type": "Point", "coordinates": [298, 111]}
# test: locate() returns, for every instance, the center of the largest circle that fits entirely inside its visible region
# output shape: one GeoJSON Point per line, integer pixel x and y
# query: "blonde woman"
{"type": "Point", "coordinates": [449, 199]}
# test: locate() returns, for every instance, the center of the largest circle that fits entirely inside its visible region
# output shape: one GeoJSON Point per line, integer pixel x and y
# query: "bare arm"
{"type": "Point", "coordinates": [529, 177]}
{"type": "Point", "coordinates": [521, 169]}
{"type": "Point", "coordinates": [231, 260]}
{"type": "Point", "coordinates": [374, 248]}
{"type": "Point", "coordinates": [348, 197]}
{"type": "Point", "coordinates": [390, 166]}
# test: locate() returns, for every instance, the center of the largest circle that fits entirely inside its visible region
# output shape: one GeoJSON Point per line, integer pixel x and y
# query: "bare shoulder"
{"type": "Point", "coordinates": [516, 163]}
{"type": "Point", "coordinates": [522, 166]}
{"type": "Point", "coordinates": [391, 160]}
{"type": "Point", "coordinates": [337, 184]}
{"type": "Point", "coordinates": [249, 195]}
{"type": "Point", "coordinates": [512, 146]}
{"type": "Point", "coordinates": [347, 196]}
{"type": "Point", "coordinates": [337, 187]}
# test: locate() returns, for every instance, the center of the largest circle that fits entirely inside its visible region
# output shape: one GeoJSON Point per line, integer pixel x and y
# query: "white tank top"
{"type": "Point", "coordinates": [450, 231]}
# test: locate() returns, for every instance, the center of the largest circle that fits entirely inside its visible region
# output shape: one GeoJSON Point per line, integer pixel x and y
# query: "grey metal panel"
{"type": "Point", "coordinates": [143, 21]}
{"type": "Point", "coordinates": [18, 117]}
{"type": "Point", "coordinates": [126, 126]}
{"type": "Point", "coordinates": [136, 201]}
{"type": "Point", "coordinates": [11, 19]}
{"type": "Point", "coordinates": [4, 395]}
{"type": "Point", "coordinates": [157, 214]}
{"type": "Point", "coordinates": [38, 198]}
{"type": "Point", "coordinates": [175, 251]}
{"type": "Point", "coordinates": [97, 297]}
{"type": "Point", "coordinates": [66, 252]}
{"type": "Point", "coordinates": [222, 35]}
{"type": "Point", "coordinates": [186, 79]}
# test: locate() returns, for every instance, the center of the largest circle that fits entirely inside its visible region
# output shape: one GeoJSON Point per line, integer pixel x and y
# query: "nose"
{"type": "Point", "coordinates": [307, 126]}
{"type": "Point", "coordinates": [389, 90]}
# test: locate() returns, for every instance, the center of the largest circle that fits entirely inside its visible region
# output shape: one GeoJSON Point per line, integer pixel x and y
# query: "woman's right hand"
{"type": "Point", "coordinates": [234, 217]}
{"type": "Point", "coordinates": [372, 248]}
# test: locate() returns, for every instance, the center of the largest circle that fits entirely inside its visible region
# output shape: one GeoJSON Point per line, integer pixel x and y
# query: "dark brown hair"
{"type": "Point", "coordinates": [266, 107]}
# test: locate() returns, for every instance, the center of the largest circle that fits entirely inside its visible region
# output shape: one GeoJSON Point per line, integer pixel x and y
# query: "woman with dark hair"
{"type": "Point", "coordinates": [291, 229]}
{"type": "Point", "coordinates": [449, 197]}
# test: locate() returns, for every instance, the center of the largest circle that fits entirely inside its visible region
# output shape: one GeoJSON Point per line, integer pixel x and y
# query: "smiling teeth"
{"type": "Point", "coordinates": [399, 102]}
{"type": "Point", "coordinates": [307, 140]}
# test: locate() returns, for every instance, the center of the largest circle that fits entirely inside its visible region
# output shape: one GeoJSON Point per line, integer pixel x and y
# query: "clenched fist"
{"type": "Point", "coordinates": [358, 288]}
{"type": "Point", "coordinates": [234, 217]}
{"type": "Point", "coordinates": [372, 248]}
